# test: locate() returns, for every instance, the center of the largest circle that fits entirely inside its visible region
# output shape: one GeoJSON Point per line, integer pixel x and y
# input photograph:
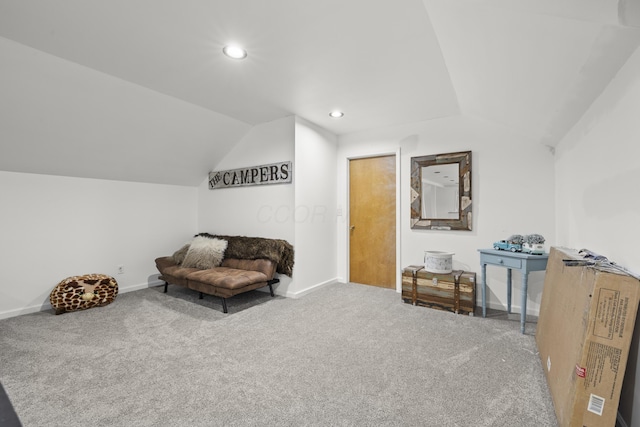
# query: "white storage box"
{"type": "Point", "coordinates": [438, 262]}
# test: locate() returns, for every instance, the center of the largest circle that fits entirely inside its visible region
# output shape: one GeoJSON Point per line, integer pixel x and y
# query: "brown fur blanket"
{"type": "Point", "coordinates": [241, 247]}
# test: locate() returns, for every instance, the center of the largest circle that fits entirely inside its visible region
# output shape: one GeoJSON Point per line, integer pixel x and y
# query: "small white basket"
{"type": "Point", "coordinates": [438, 262]}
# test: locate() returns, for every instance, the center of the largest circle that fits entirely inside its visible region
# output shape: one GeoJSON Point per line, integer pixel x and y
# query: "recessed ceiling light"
{"type": "Point", "coordinates": [234, 52]}
{"type": "Point", "coordinates": [336, 114]}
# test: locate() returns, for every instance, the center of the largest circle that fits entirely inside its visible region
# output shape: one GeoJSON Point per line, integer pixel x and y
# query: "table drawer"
{"type": "Point", "coordinates": [503, 261]}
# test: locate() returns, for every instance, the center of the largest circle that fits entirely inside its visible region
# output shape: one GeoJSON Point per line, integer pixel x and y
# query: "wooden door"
{"type": "Point", "coordinates": [372, 221]}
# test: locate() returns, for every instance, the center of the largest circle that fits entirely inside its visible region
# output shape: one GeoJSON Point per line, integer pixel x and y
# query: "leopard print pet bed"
{"type": "Point", "coordinates": [82, 292]}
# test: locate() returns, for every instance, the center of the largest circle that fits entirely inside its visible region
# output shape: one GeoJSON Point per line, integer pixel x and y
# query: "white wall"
{"type": "Point", "coordinates": [303, 213]}
{"type": "Point", "coordinates": [61, 118]}
{"type": "Point", "coordinates": [597, 196]}
{"type": "Point", "coordinates": [315, 207]}
{"type": "Point", "coordinates": [255, 211]}
{"type": "Point", "coordinates": [513, 192]}
{"type": "Point", "coordinates": [54, 227]}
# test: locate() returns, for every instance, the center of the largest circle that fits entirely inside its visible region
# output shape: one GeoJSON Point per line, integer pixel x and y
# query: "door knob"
{"type": "Point", "coordinates": [353, 227]}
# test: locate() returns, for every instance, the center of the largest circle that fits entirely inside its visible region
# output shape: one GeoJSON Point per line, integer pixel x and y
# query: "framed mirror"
{"type": "Point", "coordinates": [441, 192]}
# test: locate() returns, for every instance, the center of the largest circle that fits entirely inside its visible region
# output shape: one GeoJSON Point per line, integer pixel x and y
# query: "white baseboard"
{"type": "Point", "coordinates": [501, 307]}
{"type": "Point", "coordinates": [142, 286]}
{"type": "Point", "coordinates": [310, 289]}
{"type": "Point", "coordinates": [24, 310]}
{"type": "Point", "coordinates": [47, 305]}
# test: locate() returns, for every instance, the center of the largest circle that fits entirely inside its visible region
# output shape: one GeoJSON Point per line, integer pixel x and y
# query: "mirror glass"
{"type": "Point", "coordinates": [440, 195]}
{"type": "Point", "coordinates": [441, 191]}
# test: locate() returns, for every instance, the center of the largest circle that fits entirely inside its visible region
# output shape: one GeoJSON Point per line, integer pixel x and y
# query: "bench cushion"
{"type": "Point", "coordinates": [227, 278]}
{"type": "Point", "coordinates": [262, 265]}
{"type": "Point", "coordinates": [233, 274]}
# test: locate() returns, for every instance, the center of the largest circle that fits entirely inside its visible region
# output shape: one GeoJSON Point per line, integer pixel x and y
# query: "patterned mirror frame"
{"type": "Point", "coordinates": [465, 220]}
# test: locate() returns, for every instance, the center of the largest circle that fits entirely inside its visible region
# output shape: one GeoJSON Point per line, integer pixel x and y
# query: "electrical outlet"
{"type": "Point", "coordinates": [121, 269]}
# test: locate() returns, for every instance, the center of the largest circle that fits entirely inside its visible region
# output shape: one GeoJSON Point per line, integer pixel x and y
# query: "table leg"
{"type": "Point", "coordinates": [523, 308]}
{"type": "Point", "coordinates": [484, 290]}
{"type": "Point", "coordinates": [509, 290]}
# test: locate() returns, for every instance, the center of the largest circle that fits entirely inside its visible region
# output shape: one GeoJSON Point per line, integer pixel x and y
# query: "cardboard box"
{"type": "Point", "coordinates": [455, 291]}
{"type": "Point", "coordinates": [584, 331]}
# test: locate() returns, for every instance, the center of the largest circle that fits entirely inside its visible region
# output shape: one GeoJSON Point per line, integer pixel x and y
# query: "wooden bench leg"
{"type": "Point", "coordinates": [166, 285]}
{"type": "Point", "coordinates": [224, 305]}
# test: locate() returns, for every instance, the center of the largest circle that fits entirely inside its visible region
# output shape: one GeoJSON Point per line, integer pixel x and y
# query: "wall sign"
{"type": "Point", "coordinates": [274, 173]}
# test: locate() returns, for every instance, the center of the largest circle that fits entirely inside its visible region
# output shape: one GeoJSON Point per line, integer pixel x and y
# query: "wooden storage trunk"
{"type": "Point", "coordinates": [455, 292]}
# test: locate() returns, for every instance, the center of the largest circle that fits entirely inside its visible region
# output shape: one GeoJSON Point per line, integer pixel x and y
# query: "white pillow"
{"type": "Point", "coordinates": [178, 256]}
{"type": "Point", "coordinates": [205, 253]}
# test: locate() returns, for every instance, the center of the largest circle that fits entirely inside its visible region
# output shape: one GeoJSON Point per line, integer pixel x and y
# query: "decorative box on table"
{"type": "Point", "coordinates": [455, 291]}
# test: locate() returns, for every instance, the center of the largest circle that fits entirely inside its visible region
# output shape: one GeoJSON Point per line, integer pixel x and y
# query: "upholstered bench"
{"type": "Point", "coordinates": [225, 266]}
{"type": "Point", "coordinates": [232, 277]}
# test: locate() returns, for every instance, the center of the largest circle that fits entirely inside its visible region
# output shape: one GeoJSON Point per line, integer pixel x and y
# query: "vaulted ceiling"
{"type": "Point", "coordinates": [533, 66]}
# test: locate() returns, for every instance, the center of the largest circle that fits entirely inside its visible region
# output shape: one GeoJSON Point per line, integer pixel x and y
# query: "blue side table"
{"type": "Point", "coordinates": [510, 260]}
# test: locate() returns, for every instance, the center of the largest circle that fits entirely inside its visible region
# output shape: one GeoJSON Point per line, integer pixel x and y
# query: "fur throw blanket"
{"type": "Point", "coordinates": [241, 247]}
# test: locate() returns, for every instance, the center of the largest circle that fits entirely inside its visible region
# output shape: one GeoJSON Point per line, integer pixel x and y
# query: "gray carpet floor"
{"type": "Point", "coordinates": [345, 355]}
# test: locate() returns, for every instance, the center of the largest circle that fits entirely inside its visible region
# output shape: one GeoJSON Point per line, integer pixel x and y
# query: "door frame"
{"type": "Point", "coordinates": [398, 210]}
